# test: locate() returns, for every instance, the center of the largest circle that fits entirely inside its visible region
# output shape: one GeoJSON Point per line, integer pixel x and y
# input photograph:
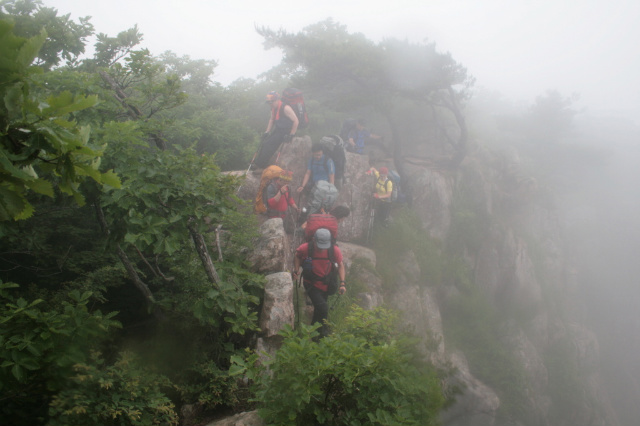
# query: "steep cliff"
{"type": "Point", "coordinates": [478, 272]}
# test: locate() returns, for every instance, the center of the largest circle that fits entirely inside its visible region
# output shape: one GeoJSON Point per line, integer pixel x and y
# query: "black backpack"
{"type": "Point", "coordinates": [293, 98]}
{"type": "Point", "coordinates": [331, 279]}
{"type": "Point", "coordinates": [333, 147]}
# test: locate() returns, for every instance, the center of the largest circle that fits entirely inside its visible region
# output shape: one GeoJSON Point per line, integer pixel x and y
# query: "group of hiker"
{"type": "Point", "coordinates": [318, 261]}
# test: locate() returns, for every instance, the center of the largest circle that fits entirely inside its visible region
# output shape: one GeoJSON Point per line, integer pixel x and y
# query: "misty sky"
{"type": "Point", "coordinates": [518, 48]}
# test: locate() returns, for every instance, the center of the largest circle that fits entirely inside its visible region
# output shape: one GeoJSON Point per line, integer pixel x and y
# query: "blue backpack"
{"type": "Point", "coordinates": [396, 193]}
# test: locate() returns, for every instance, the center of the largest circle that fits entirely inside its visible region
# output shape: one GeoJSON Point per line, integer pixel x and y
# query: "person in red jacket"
{"type": "Point", "coordinates": [324, 260]}
{"type": "Point", "coordinates": [325, 220]}
{"type": "Point", "coordinates": [278, 198]}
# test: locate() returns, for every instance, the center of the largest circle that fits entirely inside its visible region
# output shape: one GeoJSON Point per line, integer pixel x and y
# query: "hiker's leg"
{"type": "Point", "coordinates": [385, 209]}
{"type": "Point", "coordinates": [320, 308]}
{"type": "Point", "coordinates": [269, 147]}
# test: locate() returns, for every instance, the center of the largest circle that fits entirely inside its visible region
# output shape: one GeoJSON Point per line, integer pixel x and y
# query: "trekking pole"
{"type": "Point", "coordinates": [335, 302]}
{"type": "Point", "coordinates": [264, 136]}
{"type": "Point", "coordinates": [296, 285]}
{"type": "Point", "coordinates": [278, 153]}
{"type": "Point", "coordinates": [262, 139]}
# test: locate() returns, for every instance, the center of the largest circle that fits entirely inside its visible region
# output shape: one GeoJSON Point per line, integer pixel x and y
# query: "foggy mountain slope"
{"type": "Point", "coordinates": [504, 292]}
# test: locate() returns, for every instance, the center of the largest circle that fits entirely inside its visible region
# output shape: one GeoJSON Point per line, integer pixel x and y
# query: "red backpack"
{"type": "Point", "coordinates": [321, 220]}
{"type": "Point", "coordinates": [293, 98]}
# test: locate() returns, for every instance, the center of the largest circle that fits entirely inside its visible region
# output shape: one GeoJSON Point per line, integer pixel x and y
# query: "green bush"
{"type": "Point", "coordinates": [121, 394]}
{"type": "Point", "coordinates": [39, 344]}
{"type": "Point", "coordinates": [359, 375]}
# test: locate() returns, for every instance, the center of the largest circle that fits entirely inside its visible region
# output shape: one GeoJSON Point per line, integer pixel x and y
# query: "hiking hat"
{"type": "Point", "coordinates": [323, 238]}
{"type": "Point", "coordinates": [286, 175]}
{"type": "Point", "coordinates": [272, 96]}
{"type": "Point", "coordinates": [384, 171]}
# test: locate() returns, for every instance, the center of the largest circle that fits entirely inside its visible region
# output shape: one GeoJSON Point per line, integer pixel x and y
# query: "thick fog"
{"type": "Point", "coordinates": [517, 51]}
{"type": "Point", "coordinates": [518, 48]}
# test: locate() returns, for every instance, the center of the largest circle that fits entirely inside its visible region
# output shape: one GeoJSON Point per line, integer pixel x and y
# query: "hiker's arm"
{"type": "Point", "coordinates": [305, 179]}
{"type": "Point", "coordinates": [269, 125]}
{"type": "Point", "coordinates": [288, 111]}
{"type": "Point", "coordinates": [342, 274]}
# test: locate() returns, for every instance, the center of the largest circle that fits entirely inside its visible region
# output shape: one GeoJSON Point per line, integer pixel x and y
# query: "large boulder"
{"type": "Point", "coordinates": [357, 194]}
{"type": "Point", "coordinates": [360, 263]}
{"type": "Point", "coordinates": [277, 308]}
{"type": "Point", "coordinates": [271, 252]}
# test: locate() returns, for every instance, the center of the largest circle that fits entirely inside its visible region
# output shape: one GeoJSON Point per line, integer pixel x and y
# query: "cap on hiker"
{"type": "Point", "coordinates": [384, 171]}
{"type": "Point", "coordinates": [323, 238]}
{"type": "Point", "coordinates": [286, 175]}
{"type": "Point", "coordinates": [272, 96]}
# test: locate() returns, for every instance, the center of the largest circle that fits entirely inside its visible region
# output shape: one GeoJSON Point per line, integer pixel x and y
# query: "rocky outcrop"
{"type": "Point", "coordinates": [271, 252]}
{"type": "Point", "coordinates": [360, 263]}
{"type": "Point", "coordinates": [476, 405]}
{"type": "Point", "coordinates": [277, 311]}
{"type": "Point", "coordinates": [516, 261]}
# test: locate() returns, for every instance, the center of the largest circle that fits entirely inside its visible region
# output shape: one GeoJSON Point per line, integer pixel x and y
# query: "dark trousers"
{"type": "Point", "coordinates": [320, 307]}
{"type": "Point", "coordinates": [270, 146]}
{"type": "Point", "coordinates": [382, 211]}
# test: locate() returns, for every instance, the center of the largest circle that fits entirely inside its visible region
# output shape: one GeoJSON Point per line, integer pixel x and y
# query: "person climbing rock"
{"type": "Point", "coordinates": [277, 196]}
{"type": "Point", "coordinates": [282, 126]}
{"type": "Point", "coordinates": [319, 167]}
{"type": "Point", "coordinates": [382, 195]}
{"type": "Point", "coordinates": [321, 262]}
{"type": "Point", "coordinates": [357, 137]}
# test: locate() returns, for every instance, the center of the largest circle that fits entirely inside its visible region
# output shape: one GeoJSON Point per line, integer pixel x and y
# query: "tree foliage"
{"type": "Point", "coordinates": [66, 39]}
{"type": "Point", "coordinates": [399, 80]}
{"type": "Point", "coordinates": [147, 190]}
{"type": "Point", "coordinates": [40, 148]}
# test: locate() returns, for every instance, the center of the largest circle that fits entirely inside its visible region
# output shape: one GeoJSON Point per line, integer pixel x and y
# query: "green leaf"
{"type": "Point", "coordinates": [40, 186]}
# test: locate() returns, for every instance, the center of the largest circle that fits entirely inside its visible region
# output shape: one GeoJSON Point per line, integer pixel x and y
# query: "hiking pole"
{"type": "Point", "coordinates": [335, 302]}
{"type": "Point", "coordinates": [279, 151]}
{"type": "Point", "coordinates": [296, 285]}
{"type": "Point", "coordinates": [262, 139]}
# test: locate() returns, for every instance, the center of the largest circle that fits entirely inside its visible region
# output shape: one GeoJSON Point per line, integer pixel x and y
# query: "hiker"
{"type": "Point", "coordinates": [321, 260]}
{"type": "Point", "coordinates": [325, 220]}
{"type": "Point", "coordinates": [319, 167]}
{"type": "Point", "coordinates": [358, 136]}
{"type": "Point", "coordinates": [384, 188]}
{"type": "Point", "coordinates": [334, 147]}
{"type": "Point", "coordinates": [323, 196]}
{"type": "Point", "coordinates": [278, 198]}
{"type": "Point", "coordinates": [282, 126]}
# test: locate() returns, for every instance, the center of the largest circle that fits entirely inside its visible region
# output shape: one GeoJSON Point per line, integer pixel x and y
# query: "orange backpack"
{"type": "Point", "coordinates": [268, 174]}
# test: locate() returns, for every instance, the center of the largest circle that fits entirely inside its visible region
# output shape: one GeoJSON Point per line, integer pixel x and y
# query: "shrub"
{"type": "Point", "coordinates": [121, 394]}
{"type": "Point", "coordinates": [359, 375]}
